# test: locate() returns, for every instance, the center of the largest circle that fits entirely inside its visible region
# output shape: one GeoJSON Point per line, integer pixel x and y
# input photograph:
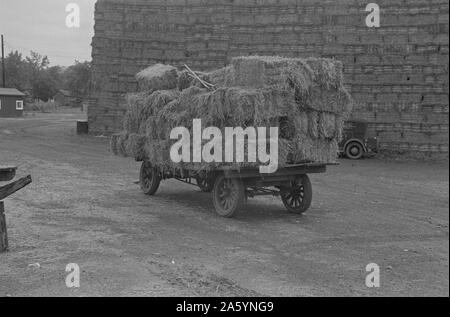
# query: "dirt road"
{"type": "Point", "coordinates": [84, 208]}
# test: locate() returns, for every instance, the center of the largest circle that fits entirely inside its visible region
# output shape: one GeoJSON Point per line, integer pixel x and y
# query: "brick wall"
{"type": "Point", "coordinates": [397, 74]}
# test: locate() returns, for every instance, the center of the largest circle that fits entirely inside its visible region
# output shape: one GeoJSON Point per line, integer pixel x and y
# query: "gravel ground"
{"type": "Point", "coordinates": [83, 207]}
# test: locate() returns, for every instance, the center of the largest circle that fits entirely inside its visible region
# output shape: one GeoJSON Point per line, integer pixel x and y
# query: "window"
{"type": "Point", "coordinates": [0, 104]}
{"type": "Point", "coordinates": [19, 105]}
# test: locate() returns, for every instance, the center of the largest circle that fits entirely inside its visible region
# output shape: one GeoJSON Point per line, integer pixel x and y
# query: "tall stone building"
{"type": "Point", "coordinates": [397, 73]}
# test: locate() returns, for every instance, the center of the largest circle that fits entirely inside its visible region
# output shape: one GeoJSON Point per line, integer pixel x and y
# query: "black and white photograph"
{"type": "Point", "coordinates": [224, 156]}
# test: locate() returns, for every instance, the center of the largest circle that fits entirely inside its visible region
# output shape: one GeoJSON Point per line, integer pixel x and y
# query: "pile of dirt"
{"type": "Point", "coordinates": [304, 98]}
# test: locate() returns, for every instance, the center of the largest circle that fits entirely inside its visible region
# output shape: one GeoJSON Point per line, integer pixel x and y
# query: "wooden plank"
{"type": "Point", "coordinates": [313, 168]}
{"type": "Point", "coordinates": [10, 189]}
{"type": "Point", "coordinates": [3, 231]}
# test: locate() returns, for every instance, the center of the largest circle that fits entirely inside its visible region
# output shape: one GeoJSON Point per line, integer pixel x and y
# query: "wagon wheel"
{"type": "Point", "coordinates": [297, 198]}
{"type": "Point", "coordinates": [354, 151]}
{"type": "Point", "coordinates": [228, 194]}
{"type": "Point", "coordinates": [149, 178]}
{"type": "Point", "coordinates": [206, 184]}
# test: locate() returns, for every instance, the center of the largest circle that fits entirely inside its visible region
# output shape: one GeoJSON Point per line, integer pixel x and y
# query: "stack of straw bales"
{"type": "Point", "coordinates": [305, 98]}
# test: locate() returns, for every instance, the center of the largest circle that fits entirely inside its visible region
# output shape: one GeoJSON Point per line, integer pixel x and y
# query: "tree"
{"type": "Point", "coordinates": [37, 62]}
{"type": "Point", "coordinates": [41, 82]}
{"type": "Point", "coordinates": [15, 69]}
{"type": "Point", "coordinates": [78, 79]}
{"type": "Point", "coordinates": [42, 87]}
{"type": "Point", "coordinates": [56, 78]}
{"type": "Point", "coordinates": [34, 75]}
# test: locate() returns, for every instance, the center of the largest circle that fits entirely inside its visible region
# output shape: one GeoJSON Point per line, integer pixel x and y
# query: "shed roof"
{"type": "Point", "coordinates": [10, 92]}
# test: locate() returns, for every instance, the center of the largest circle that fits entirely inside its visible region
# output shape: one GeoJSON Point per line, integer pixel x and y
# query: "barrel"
{"type": "Point", "coordinates": [82, 127]}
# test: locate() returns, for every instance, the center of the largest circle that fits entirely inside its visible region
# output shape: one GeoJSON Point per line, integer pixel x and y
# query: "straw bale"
{"type": "Point", "coordinates": [313, 124]}
{"type": "Point", "coordinates": [327, 125]}
{"type": "Point", "coordinates": [134, 146]}
{"type": "Point", "coordinates": [223, 77]}
{"type": "Point", "coordinates": [158, 77]}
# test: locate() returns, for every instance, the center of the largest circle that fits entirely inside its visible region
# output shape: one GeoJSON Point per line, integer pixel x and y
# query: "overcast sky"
{"type": "Point", "coordinates": [40, 25]}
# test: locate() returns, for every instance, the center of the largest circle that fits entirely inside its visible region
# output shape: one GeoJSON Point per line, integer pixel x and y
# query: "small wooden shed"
{"type": "Point", "coordinates": [11, 102]}
{"type": "Point", "coordinates": [63, 98]}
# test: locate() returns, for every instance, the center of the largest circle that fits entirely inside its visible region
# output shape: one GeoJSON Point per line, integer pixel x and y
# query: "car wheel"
{"type": "Point", "coordinates": [354, 151]}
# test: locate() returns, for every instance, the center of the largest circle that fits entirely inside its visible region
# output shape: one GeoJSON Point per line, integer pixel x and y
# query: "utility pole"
{"type": "Point", "coordinates": [3, 64]}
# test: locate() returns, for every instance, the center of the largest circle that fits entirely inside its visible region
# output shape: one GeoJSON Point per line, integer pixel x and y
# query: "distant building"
{"type": "Point", "coordinates": [11, 102]}
{"type": "Point", "coordinates": [64, 98]}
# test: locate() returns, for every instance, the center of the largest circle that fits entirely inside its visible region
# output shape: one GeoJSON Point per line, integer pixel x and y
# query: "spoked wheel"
{"type": "Point", "coordinates": [228, 194]}
{"type": "Point", "coordinates": [149, 178]}
{"type": "Point", "coordinates": [297, 198]}
{"type": "Point", "coordinates": [206, 184]}
{"type": "Point", "coordinates": [354, 151]}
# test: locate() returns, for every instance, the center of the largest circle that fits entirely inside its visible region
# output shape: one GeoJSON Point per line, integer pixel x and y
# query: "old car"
{"type": "Point", "coordinates": [356, 144]}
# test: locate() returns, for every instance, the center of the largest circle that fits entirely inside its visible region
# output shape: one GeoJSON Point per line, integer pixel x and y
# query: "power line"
{"type": "Point", "coordinates": [22, 50]}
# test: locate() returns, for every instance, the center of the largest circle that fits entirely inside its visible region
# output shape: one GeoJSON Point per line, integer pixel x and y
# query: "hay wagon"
{"type": "Point", "coordinates": [231, 187]}
{"type": "Point", "coordinates": [305, 99]}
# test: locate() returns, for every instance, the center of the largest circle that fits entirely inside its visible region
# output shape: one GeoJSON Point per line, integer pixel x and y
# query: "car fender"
{"type": "Point", "coordinates": [356, 141]}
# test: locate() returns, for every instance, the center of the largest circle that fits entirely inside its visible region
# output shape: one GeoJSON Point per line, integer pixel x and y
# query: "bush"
{"type": "Point", "coordinates": [41, 106]}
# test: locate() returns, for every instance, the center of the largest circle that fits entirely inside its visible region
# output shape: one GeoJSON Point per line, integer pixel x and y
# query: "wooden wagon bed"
{"type": "Point", "coordinates": [230, 187]}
